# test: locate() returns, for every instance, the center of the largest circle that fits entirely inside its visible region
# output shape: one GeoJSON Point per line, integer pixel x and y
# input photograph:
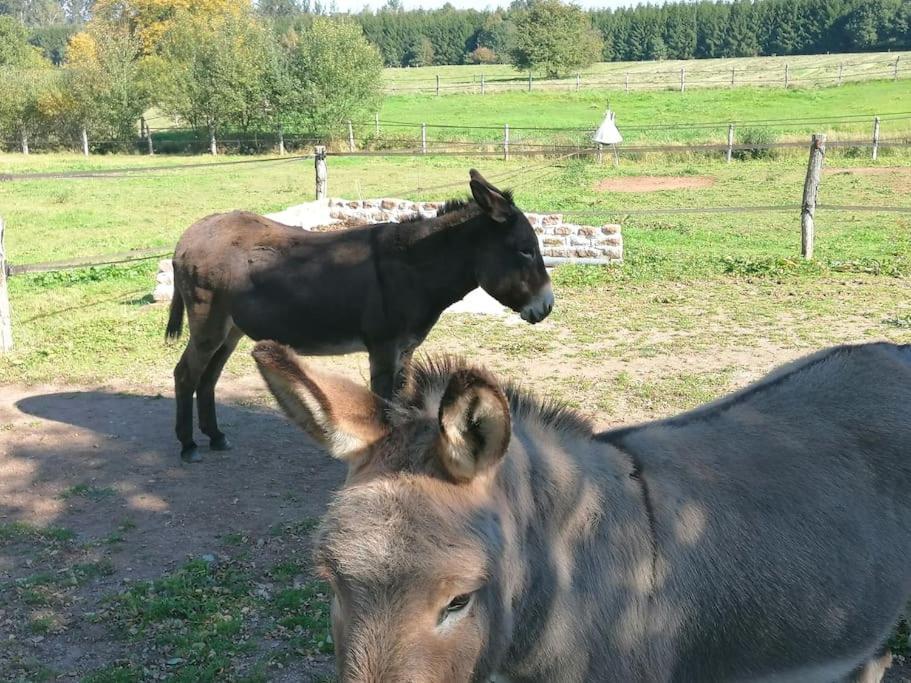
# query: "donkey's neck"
{"type": "Point", "coordinates": [580, 529]}
{"type": "Point", "coordinates": [441, 253]}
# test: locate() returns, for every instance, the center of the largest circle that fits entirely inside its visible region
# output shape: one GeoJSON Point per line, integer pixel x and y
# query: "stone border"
{"type": "Point", "coordinates": [557, 238]}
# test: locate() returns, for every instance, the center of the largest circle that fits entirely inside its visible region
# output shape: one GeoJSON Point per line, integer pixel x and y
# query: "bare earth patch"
{"type": "Point", "coordinates": [654, 183]}
{"type": "Point", "coordinates": [101, 469]}
{"type": "Point", "coordinates": [897, 178]}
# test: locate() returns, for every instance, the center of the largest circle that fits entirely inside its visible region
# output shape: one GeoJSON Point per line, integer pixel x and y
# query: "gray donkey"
{"type": "Point", "coordinates": [484, 534]}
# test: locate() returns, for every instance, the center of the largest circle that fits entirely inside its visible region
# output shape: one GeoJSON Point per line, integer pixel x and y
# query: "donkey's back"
{"type": "Point", "coordinates": [782, 518]}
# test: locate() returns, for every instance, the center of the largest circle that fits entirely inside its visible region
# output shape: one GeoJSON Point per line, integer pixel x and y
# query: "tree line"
{"type": "Point", "coordinates": [704, 29]}
{"type": "Point", "coordinates": [214, 64]}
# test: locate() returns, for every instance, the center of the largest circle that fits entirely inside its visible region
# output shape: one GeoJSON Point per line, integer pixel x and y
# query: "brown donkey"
{"type": "Point", "coordinates": [482, 534]}
{"type": "Point", "coordinates": [377, 289]}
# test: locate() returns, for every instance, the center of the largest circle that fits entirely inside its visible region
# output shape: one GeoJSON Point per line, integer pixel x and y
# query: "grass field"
{"type": "Point", "coordinates": [791, 114]}
{"type": "Point", "coordinates": [703, 304]}
{"type": "Point", "coordinates": [803, 70]}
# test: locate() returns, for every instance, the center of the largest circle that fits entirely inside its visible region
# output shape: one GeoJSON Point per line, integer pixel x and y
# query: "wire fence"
{"type": "Point", "coordinates": [386, 136]}
{"type": "Point", "coordinates": [459, 148]}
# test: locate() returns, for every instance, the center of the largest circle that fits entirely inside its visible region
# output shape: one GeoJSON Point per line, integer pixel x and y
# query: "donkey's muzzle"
{"type": "Point", "coordinates": [540, 306]}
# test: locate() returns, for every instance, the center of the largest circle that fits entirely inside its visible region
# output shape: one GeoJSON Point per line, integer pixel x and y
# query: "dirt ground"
{"type": "Point", "coordinates": [58, 445]}
{"type": "Point", "coordinates": [647, 183]}
{"type": "Point", "coordinates": [120, 446]}
{"type": "Point", "coordinates": [897, 179]}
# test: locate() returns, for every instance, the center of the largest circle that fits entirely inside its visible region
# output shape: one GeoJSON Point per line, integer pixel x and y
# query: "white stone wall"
{"type": "Point", "coordinates": [557, 238]}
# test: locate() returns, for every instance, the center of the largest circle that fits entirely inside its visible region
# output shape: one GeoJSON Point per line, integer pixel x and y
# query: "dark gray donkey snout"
{"type": "Point", "coordinates": [540, 306]}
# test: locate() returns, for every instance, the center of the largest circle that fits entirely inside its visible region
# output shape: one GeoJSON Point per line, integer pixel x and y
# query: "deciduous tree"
{"type": "Point", "coordinates": [554, 38]}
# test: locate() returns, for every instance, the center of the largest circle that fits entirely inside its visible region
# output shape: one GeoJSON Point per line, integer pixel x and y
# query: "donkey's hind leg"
{"type": "Point", "coordinates": [205, 392]}
{"type": "Point", "coordinates": [873, 671]}
{"type": "Point", "coordinates": [187, 373]}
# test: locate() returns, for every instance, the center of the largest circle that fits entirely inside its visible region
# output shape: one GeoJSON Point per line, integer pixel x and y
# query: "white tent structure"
{"type": "Point", "coordinates": [607, 134]}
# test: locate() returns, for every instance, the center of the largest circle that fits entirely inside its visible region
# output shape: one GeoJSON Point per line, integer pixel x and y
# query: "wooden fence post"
{"type": "Point", "coordinates": [24, 142]}
{"type": "Point", "coordinates": [142, 126]}
{"type": "Point", "coordinates": [578, 82]}
{"type": "Point", "coordinates": [322, 172]}
{"type": "Point", "coordinates": [730, 152]}
{"type": "Point", "coordinates": [423, 138]}
{"type": "Point", "coordinates": [529, 81]}
{"type": "Point", "coordinates": [149, 142]}
{"type": "Point", "coordinates": [895, 68]}
{"type": "Point", "coordinates": [85, 141]}
{"type": "Point", "coordinates": [350, 137]}
{"type": "Point", "coordinates": [281, 140]}
{"type": "Point", "coordinates": [732, 76]}
{"type": "Point", "coordinates": [376, 123]}
{"type": "Point", "coordinates": [506, 142]}
{"type": "Point", "coordinates": [438, 84]}
{"type": "Point", "coordinates": [682, 79]}
{"type": "Point", "coordinates": [810, 192]}
{"type": "Point", "coordinates": [875, 137]}
{"type": "Point", "coordinates": [627, 82]}
{"type": "Point", "coordinates": [6, 323]}
{"type": "Point", "coordinates": [841, 71]}
{"type": "Point", "coordinates": [787, 74]}
{"type": "Point", "coordinates": [482, 84]}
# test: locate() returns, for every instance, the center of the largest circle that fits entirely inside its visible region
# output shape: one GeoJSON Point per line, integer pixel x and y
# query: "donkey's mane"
{"type": "Point", "coordinates": [453, 205]}
{"type": "Point", "coordinates": [429, 376]}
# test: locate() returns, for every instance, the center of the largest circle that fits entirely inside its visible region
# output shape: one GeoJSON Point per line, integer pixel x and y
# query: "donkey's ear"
{"type": "Point", "coordinates": [474, 425]}
{"type": "Point", "coordinates": [341, 415]}
{"type": "Point", "coordinates": [492, 202]}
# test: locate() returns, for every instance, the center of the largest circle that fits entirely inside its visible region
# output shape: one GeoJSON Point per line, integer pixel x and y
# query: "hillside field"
{"type": "Point", "coordinates": [803, 71]}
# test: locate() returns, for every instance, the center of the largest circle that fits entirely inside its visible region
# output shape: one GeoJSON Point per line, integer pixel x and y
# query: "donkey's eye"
{"type": "Point", "coordinates": [527, 253]}
{"type": "Point", "coordinates": [458, 603]}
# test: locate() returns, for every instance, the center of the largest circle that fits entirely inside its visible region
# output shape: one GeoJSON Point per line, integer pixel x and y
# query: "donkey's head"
{"type": "Point", "coordinates": [412, 546]}
{"type": "Point", "coordinates": [509, 263]}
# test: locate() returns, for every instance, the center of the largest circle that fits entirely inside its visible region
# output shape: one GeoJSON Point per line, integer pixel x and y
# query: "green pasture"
{"type": "Point", "coordinates": [94, 325]}
{"type": "Point", "coordinates": [785, 114]}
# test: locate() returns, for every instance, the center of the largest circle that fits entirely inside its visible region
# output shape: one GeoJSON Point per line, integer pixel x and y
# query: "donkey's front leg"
{"type": "Point", "coordinates": [388, 368]}
{"type": "Point", "coordinates": [384, 360]}
{"type": "Point", "coordinates": [402, 373]}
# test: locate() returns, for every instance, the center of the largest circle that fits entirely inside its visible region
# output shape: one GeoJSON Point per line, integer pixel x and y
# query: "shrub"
{"type": "Point", "coordinates": [761, 138]}
{"type": "Point", "coordinates": [481, 55]}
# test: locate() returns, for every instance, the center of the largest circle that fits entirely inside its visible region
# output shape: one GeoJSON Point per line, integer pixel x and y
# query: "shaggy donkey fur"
{"type": "Point", "coordinates": [480, 533]}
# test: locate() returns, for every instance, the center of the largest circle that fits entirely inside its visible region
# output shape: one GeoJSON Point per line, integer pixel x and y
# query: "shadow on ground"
{"type": "Point", "coordinates": [105, 467]}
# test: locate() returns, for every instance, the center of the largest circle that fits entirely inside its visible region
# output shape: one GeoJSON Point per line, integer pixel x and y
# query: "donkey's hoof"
{"type": "Point", "coordinates": [220, 443]}
{"type": "Point", "coordinates": [190, 454]}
